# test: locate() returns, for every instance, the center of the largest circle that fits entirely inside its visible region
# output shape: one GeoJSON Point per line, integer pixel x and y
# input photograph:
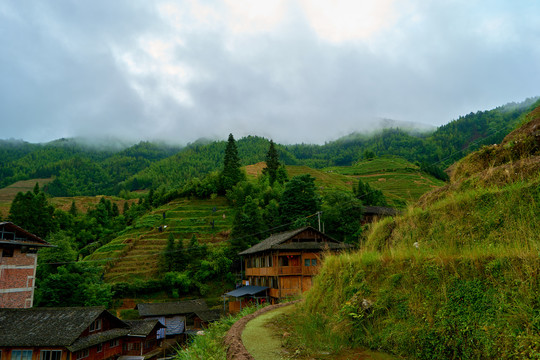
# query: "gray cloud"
{"type": "Point", "coordinates": [125, 69]}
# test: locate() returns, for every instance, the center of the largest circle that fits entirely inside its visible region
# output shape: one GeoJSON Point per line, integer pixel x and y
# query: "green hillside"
{"type": "Point", "coordinates": [455, 276]}
{"type": "Point", "coordinates": [401, 181]}
{"type": "Point", "coordinates": [136, 252]}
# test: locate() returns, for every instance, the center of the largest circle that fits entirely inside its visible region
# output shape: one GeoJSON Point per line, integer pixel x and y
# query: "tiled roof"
{"type": "Point", "coordinates": [172, 308]}
{"type": "Point", "coordinates": [46, 326]}
{"type": "Point", "coordinates": [97, 338]}
{"type": "Point", "coordinates": [276, 241]}
{"type": "Point", "coordinates": [143, 327]}
{"type": "Point", "coordinates": [209, 315]}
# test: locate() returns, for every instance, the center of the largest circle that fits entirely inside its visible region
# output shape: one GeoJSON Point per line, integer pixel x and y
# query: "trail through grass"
{"type": "Point", "coordinates": [260, 340]}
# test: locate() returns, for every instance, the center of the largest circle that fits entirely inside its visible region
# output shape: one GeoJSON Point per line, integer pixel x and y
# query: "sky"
{"type": "Point", "coordinates": [296, 71]}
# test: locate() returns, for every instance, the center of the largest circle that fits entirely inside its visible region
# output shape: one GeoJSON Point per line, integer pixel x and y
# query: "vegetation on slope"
{"type": "Point", "coordinates": [456, 277]}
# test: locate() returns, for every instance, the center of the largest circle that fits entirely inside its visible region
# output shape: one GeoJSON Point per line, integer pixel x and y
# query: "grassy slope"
{"type": "Point", "coordinates": [135, 253]}
{"type": "Point", "coordinates": [455, 277]}
{"type": "Point", "coordinates": [401, 181]}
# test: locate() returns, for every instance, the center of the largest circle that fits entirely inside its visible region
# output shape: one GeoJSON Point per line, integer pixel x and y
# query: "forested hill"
{"type": "Point", "coordinates": [81, 169]}
{"type": "Point", "coordinates": [443, 147]}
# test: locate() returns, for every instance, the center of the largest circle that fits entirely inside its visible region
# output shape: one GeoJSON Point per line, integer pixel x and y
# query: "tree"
{"type": "Point", "coordinates": [231, 174]}
{"type": "Point", "coordinates": [32, 212]}
{"type": "Point", "coordinates": [341, 215]}
{"type": "Point", "coordinates": [247, 226]}
{"type": "Point", "coordinates": [299, 199]}
{"type": "Point", "coordinates": [272, 163]}
{"type": "Point", "coordinates": [368, 195]}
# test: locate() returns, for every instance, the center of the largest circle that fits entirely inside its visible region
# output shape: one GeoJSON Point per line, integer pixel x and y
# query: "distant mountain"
{"type": "Point", "coordinates": [90, 167]}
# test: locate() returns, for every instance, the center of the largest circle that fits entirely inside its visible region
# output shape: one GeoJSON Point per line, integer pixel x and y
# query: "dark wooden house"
{"type": "Point", "coordinates": [18, 262]}
{"type": "Point", "coordinates": [70, 333]}
{"type": "Point", "coordinates": [287, 261]}
{"type": "Point", "coordinates": [371, 214]}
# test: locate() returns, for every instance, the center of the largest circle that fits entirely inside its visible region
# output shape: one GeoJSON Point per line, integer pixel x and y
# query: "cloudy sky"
{"type": "Point", "coordinates": [291, 70]}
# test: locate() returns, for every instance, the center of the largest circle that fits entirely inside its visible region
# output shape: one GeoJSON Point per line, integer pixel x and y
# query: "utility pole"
{"type": "Point", "coordinates": [319, 217]}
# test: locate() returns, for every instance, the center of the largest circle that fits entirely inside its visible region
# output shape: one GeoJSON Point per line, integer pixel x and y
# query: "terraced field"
{"type": "Point", "coordinates": [136, 253]}
{"type": "Point", "coordinates": [400, 181]}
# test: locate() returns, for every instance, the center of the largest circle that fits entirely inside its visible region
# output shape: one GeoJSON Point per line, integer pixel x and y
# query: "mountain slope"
{"type": "Point", "coordinates": [454, 277]}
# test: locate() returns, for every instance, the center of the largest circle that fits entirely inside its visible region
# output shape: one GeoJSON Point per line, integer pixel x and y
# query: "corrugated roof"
{"type": "Point", "coordinates": [246, 290]}
{"type": "Point", "coordinates": [172, 308]}
{"type": "Point", "coordinates": [47, 326]}
{"type": "Point", "coordinates": [275, 240]}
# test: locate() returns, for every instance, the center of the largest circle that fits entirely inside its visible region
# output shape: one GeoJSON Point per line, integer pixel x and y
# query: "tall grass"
{"type": "Point", "coordinates": [210, 346]}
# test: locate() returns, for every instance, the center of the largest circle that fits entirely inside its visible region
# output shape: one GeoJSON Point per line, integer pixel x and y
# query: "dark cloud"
{"type": "Point", "coordinates": [179, 71]}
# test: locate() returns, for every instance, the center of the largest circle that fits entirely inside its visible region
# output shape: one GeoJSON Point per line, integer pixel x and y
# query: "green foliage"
{"type": "Point", "coordinates": [272, 163]}
{"type": "Point", "coordinates": [211, 346]}
{"type": "Point", "coordinates": [299, 199]}
{"type": "Point", "coordinates": [32, 212]}
{"type": "Point", "coordinates": [368, 195]}
{"type": "Point", "coordinates": [247, 226]}
{"type": "Point", "coordinates": [74, 284]}
{"type": "Point", "coordinates": [341, 215]}
{"type": "Point", "coordinates": [231, 173]}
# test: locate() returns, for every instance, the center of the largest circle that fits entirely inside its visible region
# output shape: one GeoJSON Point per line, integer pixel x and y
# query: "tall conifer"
{"type": "Point", "coordinates": [231, 174]}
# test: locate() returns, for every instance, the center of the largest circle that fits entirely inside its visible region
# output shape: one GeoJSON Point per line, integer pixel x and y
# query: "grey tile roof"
{"type": "Point", "coordinates": [143, 327]}
{"type": "Point", "coordinates": [47, 326]}
{"type": "Point", "coordinates": [172, 308]}
{"type": "Point", "coordinates": [209, 315]}
{"type": "Point", "coordinates": [100, 337]}
{"type": "Point", "coordinates": [275, 241]}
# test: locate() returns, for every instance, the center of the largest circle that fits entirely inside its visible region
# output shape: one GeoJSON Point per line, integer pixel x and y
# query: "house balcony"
{"type": "Point", "coordinates": [290, 270]}
{"type": "Point", "coordinates": [265, 271]}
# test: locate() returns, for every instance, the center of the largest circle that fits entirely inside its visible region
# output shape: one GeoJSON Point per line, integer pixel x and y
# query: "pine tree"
{"type": "Point", "coordinates": [231, 174]}
{"type": "Point", "coordinates": [272, 163]}
{"type": "Point", "coordinates": [73, 209]}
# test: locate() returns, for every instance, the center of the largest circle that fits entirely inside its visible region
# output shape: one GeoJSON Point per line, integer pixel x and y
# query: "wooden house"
{"type": "Point", "coordinates": [72, 333]}
{"type": "Point", "coordinates": [287, 261]}
{"type": "Point", "coordinates": [371, 214]}
{"type": "Point", "coordinates": [18, 262]}
{"type": "Point", "coordinates": [179, 317]}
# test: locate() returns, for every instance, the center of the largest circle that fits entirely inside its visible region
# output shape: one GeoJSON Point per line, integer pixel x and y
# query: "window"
{"type": "Point", "coordinates": [313, 262]}
{"type": "Point", "coordinates": [307, 262]}
{"type": "Point", "coordinates": [100, 347]}
{"type": "Point", "coordinates": [50, 355]}
{"type": "Point", "coordinates": [81, 354]}
{"type": "Point", "coordinates": [95, 325]}
{"type": "Point", "coordinates": [8, 252]}
{"type": "Point", "coordinates": [113, 343]}
{"type": "Point", "coordinates": [21, 355]}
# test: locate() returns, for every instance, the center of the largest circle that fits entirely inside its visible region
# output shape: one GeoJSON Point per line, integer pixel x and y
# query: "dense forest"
{"type": "Point", "coordinates": [81, 169]}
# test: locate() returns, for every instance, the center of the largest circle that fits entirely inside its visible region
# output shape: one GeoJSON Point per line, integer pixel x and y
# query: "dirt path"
{"type": "Point", "coordinates": [233, 339]}
{"type": "Point", "coordinates": [257, 329]}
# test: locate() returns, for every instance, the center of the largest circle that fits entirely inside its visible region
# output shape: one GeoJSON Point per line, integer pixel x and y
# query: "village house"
{"type": "Point", "coordinates": [18, 262]}
{"type": "Point", "coordinates": [284, 264]}
{"type": "Point", "coordinates": [371, 214]}
{"type": "Point", "coordinates": [73, 333]}
{"type": "Point", "coordinates": [179, 317]}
